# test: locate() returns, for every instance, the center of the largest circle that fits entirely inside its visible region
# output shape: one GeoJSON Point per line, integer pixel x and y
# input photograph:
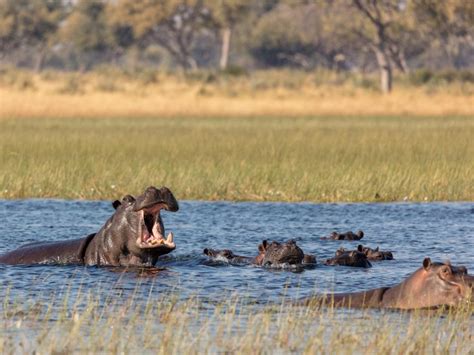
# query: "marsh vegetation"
{"type": "Point", "coordinates": [323, 159]}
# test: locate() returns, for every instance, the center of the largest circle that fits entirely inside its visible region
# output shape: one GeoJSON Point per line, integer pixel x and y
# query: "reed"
{"type": "Point", "coordinates": [89, 323]}
{"type": "Point", "coordinates": [325, 159]}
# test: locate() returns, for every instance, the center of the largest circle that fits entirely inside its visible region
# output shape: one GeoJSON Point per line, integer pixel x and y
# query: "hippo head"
{"type": "Point", "coordinates": [440, 284]}
{"type": "Point", "coordinates": [275, 253]}
{"type": "Point", "coordinates": [136, 231]}
{"type": "Point", "coordinates": [376, 254]}
{"type": "Point", "coordinates": [346, 257]}
{"type": "Point", "coordinates": [223, 254]}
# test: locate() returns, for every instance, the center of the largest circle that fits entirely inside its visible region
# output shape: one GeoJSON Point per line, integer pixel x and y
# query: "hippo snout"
{"type": "Point", "coordinates": [152, 196]}
{"type": "Point", "coordinates": [169, 199]}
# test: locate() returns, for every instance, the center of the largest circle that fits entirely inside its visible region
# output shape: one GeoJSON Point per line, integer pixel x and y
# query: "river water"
{"type": "Point", "coordinates": [412, 231]}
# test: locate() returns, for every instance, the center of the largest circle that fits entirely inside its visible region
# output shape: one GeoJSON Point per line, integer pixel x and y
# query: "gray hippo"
{"type": "Point", "coordinates": [133, 235]}
{"type": "Point", "coordinates": [344, 236]}
{"type": "Point", "coordinates": [355, 258]}
{"type": "Point", "coordinates": [432, 285]}
{"type": "Point", "coordinates": [269, 254]}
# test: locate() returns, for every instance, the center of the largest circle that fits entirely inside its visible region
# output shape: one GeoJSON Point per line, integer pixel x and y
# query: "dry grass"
{"type": "Point", "coordinates": [161, 324]}
{"type": "Point", "coordinates": [269, 93]}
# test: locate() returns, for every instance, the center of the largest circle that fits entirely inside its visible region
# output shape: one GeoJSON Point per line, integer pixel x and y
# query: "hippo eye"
{"type": "Point", "coordinates": [446, 271]}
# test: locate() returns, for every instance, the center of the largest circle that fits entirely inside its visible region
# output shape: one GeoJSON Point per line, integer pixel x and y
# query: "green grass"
{"type": "Point", "coordinates": [87, 323]}
{"type": "Point", "coordinates": [295, 159]}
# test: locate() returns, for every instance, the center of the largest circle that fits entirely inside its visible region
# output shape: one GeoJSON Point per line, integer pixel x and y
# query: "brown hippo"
{"type": "Point", "coordinates": [344, 236]}
{"type": "Point", "coordinates": [133, 235]}
{"type": "Point", "coordinates": [376, 254]}
{"type": "Point", "coordinates": [432, 285]}
{"type": "Point", "coordinates": [355, 258]}
{"type": "Point", "coordinates": [269, 254]}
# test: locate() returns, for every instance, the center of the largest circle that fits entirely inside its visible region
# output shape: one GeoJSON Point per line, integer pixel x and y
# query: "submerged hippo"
{"type": "Point", "coordinates": [376, 254]}
{"type": "Point", "coordinates": [269, 254]}
{"type": "Point", "coordinates": [355, 258]}
{"type": "Point", "coordinates": [133, 235]}
{"type": "Point", "coordinates": [345, 236]}
{"type": "Point", "coordinates": [432, 285]}
{"type": "Point", "coordinates": [229, 256]}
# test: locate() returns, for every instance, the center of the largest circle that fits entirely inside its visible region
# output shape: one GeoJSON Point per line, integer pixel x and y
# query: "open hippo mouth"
{"type": "Point", "coordinates": [151, 232]}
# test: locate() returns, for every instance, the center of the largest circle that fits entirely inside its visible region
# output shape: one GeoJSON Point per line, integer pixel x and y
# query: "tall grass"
{"type": "Point", "coordinates": [286, 159]}
{"type": "Point", "coordinates": [161, 324]}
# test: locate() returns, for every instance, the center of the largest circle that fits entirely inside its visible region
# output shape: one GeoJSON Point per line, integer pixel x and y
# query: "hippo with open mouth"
{"type": "Point", "coordinates": [269, 254]}
{"type": "Point", "coordinates": [133, 235]}
{"type": "Point", "coordinates": [432, 285]}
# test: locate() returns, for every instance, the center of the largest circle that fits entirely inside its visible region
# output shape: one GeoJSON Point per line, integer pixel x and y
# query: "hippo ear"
{"type": "Point", "coordinates": [116, 204]}
{"type": "Point", "coordinates": [376, 249]}
{"type": "Point", "coordinates": [426, 263]}
{"type": "Point", "coordinates": [360, 248]}
{"type": "Point", "coordinates": [206, 251]}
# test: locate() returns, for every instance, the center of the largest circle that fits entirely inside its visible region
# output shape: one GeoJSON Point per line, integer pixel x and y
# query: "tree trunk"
{"type": "Point", "coordinates": [385, 69]}
{"type": "Point", "coordinates": [39, 60]}
{"type": "Point", "coordinates": [226, 35]}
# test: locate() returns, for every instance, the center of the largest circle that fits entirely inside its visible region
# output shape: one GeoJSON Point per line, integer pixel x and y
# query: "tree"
{"type": "Point", "coordinates": [226, 14]}
{"type": "Point", "coordinates": [172, 24]}
{"type": "Point", "coordinates": [86, 31]}
{"type": "Point", "coordinates": [29, 23]}
{"type": "Point", "coordinates": [447, 24]}
{"type": "Point", "coordinates": [379, 16]}
{"type": "Point", "coordinates": [286, 36]}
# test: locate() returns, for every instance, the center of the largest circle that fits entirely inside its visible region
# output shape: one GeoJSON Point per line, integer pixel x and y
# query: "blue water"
{"type": "Point", "coordinates": [442, 231]}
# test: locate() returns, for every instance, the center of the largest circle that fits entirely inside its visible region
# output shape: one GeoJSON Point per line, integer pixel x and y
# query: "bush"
{"type": "Point", "coordinates": [425, 76]}
{"type": "Point", "coordinates": [72, 85]}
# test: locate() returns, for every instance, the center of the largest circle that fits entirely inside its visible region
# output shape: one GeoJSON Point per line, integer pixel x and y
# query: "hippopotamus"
{"type": "Point", "coordinates": [229, 256]}
{"type": "Point", "coordinates": [269, 254]}
{"type": "Point", "coordinates": [433, 285]}
{"type": "Point", "coordinates": [376, 254]}
{"type": "Point", "coordinates": [355, 258]}
{"type": "Point", "coordinates": [133, 235]}
{"type": "Point", "coordinates": [344, 236]}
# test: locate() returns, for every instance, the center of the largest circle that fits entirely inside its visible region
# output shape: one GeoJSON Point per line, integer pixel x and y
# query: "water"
{"type": "Point", "coordinates": [442, 231]}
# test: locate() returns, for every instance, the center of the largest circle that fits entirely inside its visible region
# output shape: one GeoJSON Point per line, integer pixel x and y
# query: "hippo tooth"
{"type": "Point", "coordinates": [169, 237]}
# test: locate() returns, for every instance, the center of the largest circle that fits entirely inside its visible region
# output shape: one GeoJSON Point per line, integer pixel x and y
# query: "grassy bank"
{"type": "Point", "coordinates": [109, 92]}
{"type": "Point", "coordinates": [161, 325]}
{"type": "Point", "coordinates": [286, 159]}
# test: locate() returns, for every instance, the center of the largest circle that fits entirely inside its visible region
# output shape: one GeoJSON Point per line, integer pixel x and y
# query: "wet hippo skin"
{"type": "Point", "coordinates": [432, 285]}
{"type": "Point", "coordinates": [269, 254]}
{"type": "Point", "coordinates": [133, 235]}
{"type": "Point", "coordinates": [344, 236]}
{"type": "Point", "coordinates": [354, 258]}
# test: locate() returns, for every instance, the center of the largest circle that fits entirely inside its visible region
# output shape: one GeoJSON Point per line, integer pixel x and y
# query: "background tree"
{"type": "Point", "coordinates": [171, 24]}
{"type": "Point", "coordinates": [378, 18]}
{"type": "Point", "coordinates": [87, 32]}
{"type": "Point", "coordinates": [286, 36]}
{"type": "Point", "coordinates": [448, 26]}
{"type": "Point", "coordinates": [226, 15]}
{"type": "Point", "coordinates": [29, 23]}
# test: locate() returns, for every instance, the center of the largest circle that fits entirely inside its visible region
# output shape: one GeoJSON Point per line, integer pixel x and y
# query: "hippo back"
{"type": "Point", "coordinates": [62, 252]}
